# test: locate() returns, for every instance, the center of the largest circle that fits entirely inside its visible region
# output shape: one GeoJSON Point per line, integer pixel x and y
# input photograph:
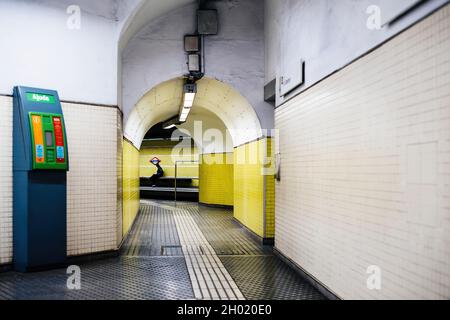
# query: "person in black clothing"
{"type": "Point", "coordinates": [159, 174]}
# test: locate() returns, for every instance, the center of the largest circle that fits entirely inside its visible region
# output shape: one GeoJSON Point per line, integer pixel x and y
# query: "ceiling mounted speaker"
{"type": "Point", "coordinates": [207, 22]}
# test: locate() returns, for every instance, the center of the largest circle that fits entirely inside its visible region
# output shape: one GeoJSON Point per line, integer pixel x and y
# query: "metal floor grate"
{"type": "Point", "coordinates": [268, 278]}
{"type": "Point", "coordinates": [153, 265]}
{"type": "Point", "coordinates": [221, 231]}
{"type": "Point", "coordinates": [112, 279]}
{"type": "Point", "coordinates": [154, 234]}
{"type": "Point", "coordinates": [224, 234]}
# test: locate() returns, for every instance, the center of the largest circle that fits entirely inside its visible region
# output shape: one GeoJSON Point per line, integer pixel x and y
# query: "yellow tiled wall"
{"type": "Point", "coordinates": [217, 179]}
{"type": "Point", "coordinates": [131, 185]}
{"type": "Point", "coordinates": [168, 154]}
{"type": "Point", "coordinates": [251, 185]}
{"type": "Point", "coordinates": [269, 181]}
{"type": "Point", "coordinates": [119, 165]}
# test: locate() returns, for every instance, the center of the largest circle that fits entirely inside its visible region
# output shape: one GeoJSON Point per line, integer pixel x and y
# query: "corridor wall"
{"type": "Point", "coordinates": [6, 180]}
{"type": "Point", "coordinates": [92, 181]}
{"type": "Point", "coordinates": [131, 185]}
{"type": "Point", "coordinates": [217, 179]}
{"type": "Point", "coordinates": [254, 187]}
{"type": "Point", "coordinates": [365, 176]}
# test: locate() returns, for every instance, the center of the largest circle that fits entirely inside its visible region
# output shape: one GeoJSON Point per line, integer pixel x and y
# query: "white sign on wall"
{"type": "Point", "coordinates": [293, 77]}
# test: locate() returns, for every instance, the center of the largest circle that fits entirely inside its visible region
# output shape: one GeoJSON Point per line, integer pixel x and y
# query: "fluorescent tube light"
{"type": "Point", "coordinates": [184, 114]}
{"type": "Point", "coordinates": [169, 127]}
{"type": "Point", "coordinates": [189, 100]}
{"type": "Point", "coordinates": [171, 123]}
{"type": "Point", "coordinates": [189, 93]}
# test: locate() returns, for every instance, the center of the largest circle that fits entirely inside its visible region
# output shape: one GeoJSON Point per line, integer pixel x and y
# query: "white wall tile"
{"type": "Point", "coordinates": [366, 170]}
{"type": "Point", "coordinates": [92, 184]}
{"type": "Point", "coordinates": [93, 209]}
{"type": "Point", "coordinates": [5, 180]}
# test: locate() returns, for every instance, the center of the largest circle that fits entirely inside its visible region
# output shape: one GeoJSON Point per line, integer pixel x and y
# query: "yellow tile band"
{"type": "Point", "coordinates": [254, 191]}
{"type": "Point", "coordinates": [217, 179]}
{"type": "Point", "coordinates": [131, 185]}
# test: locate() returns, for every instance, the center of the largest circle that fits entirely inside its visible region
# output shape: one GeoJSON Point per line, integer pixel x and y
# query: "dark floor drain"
{"type": "Point", "coordinates": [169, 250]}
{"type": "Point", "coordinates": [155, 228]}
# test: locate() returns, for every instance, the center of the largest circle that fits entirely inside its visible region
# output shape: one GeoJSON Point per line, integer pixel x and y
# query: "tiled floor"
{"type": "Point", "coordinates": [124, 278]}
{"type": "Point", "coordinates": [182, 251]}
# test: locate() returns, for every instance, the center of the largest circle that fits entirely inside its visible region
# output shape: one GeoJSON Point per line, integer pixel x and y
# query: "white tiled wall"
{"type": "Point", "coordinates": [92, 180]}
{"type": "Point", "coordinates": [93, 210]}
{"type": "Point", "coordinates": [5, 179]}
{"type": "Point", "coordinates": [365, 170]}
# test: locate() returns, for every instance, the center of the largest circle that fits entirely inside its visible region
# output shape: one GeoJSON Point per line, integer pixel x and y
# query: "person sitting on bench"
{"type": "Point", "coordinates": [159, 174]}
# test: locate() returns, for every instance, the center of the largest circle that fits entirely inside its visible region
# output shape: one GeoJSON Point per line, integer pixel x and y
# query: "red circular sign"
{"type": "Point", "coordinates": [155, 161]}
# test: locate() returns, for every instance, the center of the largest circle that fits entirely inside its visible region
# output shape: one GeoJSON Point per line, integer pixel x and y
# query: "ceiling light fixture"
{"type": "Point", "coordinates": [171, 123]}
{"type": "Point", "coordinates": [188, 100]}
{"type": "Point", "coordinates": [184, 114]}
{"type": "Point", "coordinates": [190, 91]}
{"type": "Point", "coordinates": [170, 126]}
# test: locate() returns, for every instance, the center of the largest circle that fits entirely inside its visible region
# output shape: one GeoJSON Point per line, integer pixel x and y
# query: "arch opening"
{"type": "Point", "coordinates": [229, 140]}
{"type": "Point", "coordinates": [163, 102]}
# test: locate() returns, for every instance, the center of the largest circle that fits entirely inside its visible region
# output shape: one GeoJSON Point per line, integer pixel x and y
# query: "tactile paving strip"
{"type": "Point", "coordinates": [113, 279]}
{"type": "Point", "coordinates": [268, 278]}
{"type": "Point", "coordinates": [209, 277]}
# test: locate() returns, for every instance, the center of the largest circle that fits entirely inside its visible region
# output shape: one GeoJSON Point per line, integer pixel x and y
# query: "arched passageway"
{"type": "Point", "coordinates": [232, 151]}
{"type": "Point", "coordinates": [163, 102]}
{"type": "Point", "coordinates": [224, 134]}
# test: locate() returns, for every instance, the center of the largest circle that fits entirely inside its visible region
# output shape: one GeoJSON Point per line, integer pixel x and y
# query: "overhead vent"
{"type": "Point", "coordinates": [207, 22]}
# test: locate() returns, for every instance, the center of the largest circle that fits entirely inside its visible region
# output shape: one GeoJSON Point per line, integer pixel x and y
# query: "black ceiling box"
{"type": "Point", "coordinates": [191, 43]}
{"type": "Point", "coordinates": [270, 91]}
{"type": "Point", "coordinates": [207, 22]}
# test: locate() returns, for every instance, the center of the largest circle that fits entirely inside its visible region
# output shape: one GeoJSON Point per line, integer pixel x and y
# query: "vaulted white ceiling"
{"type": "Point", "coordinates": [163, 102]}
{"type": "Point", "coordinates": [138, 13]}
{"type": "Point", "coordinates": [131, 15]}
{"type": "Point", "coordinates": [107, 9]}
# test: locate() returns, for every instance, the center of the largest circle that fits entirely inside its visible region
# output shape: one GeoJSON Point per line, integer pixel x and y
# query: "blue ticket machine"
{"type": "Point", "coordinates": [40, 180]}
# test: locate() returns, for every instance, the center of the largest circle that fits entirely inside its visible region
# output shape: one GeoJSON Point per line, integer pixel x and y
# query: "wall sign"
{"type": "Point", "coordinates": [155, 161]}
{"type": "Point", "coordinates": [41, 98]}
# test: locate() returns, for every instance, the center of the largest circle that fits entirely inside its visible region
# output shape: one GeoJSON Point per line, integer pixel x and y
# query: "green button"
{"type": "Point", "coordinates": [50, 156]}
